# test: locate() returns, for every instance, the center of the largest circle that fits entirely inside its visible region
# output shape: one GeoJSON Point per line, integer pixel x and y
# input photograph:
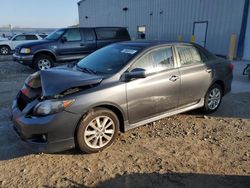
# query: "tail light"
{"type": "Point", "coordinates": [230, 67]}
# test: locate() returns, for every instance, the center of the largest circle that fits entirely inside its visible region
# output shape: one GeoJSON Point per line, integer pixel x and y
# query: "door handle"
{"type": "Point", "coordinates": [208, 70]}
{"type": "Point", "coordinates": [82, 45]}
{"type": "Point", "coordinates": [174, 78]}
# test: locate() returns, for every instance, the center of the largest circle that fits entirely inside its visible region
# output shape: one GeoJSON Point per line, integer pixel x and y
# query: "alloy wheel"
{"type": "Point", "coordinates": [99, 132]}
{"type": "Point", "coordinates": [214, 99]}
{"type": "Point", "coordinates": [4, 50]}
{"type": "Point", "coordinates": [44, 64]}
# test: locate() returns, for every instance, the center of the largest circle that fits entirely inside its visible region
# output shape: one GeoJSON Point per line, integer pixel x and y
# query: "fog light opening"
{"type": "Point", "coordinates": [41, 138]}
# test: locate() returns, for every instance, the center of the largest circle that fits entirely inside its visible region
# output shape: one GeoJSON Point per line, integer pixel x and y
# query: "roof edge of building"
{"type": "Point", "coordinates": [79, 2]}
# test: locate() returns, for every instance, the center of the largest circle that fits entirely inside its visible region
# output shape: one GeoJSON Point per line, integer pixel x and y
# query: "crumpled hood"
{"type": "Point", "coordinates": [57, 80]}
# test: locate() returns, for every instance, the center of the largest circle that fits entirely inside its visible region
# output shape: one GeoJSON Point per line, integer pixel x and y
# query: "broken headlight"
{"type": "Point", "coordinates": [33, 80]}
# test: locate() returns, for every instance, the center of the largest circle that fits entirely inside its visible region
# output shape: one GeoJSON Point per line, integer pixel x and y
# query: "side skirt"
{"type": "Point", "coordinates": [170, 113]}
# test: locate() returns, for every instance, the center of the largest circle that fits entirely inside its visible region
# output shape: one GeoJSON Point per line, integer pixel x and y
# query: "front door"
{"type": "Point", "coordinates": [71, 43]}
{"type": "Point", "coordinates": [159, 91]}
{"type": "Point", "coordinates": [200, 33]}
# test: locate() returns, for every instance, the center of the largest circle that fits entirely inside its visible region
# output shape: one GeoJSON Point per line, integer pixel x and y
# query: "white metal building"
{"type": "Point", "coordinates": [212, 22]}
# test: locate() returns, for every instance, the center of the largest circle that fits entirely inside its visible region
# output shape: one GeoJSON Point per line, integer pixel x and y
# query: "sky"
{"type": "Point", "coordinates": [38, 13]}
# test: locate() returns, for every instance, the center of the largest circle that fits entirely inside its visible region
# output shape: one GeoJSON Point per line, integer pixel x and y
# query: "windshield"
{"type": "Point", "coordinates": [108, 60]}
{"type": "Point", "coordinates": [55, 35]}
{"type": "Point", "coordinates": [11, 38]}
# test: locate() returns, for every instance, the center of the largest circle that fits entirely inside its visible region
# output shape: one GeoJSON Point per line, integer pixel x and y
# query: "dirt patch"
{"type": "Point", "coordinates": [187, 150]}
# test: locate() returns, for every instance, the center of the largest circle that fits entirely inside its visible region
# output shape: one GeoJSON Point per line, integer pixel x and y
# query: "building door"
{"type": "Point", "coordinates": [247, 39]}
{"type": "Point", "coordinates": [200, 33]}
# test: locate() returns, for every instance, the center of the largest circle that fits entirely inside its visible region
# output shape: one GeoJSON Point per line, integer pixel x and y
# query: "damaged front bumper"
{"type": "Point", "coordinates": [52, 133]}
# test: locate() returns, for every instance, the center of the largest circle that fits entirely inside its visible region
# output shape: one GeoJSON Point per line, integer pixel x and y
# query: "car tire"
{"type": "Point", "coordinates": [97, 131]}
{"type": "Point", "coordinates": [5, 50]}
{"type": "Point", "coordinates": [43, 62]}
{"type": "Point", "coordinates": [213, 99]}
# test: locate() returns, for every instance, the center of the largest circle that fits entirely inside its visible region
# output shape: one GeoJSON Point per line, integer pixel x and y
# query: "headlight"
{"type": "Point", "coordinates": [49, 107]}
{"type": "Point", "coordinates": [25, 51]}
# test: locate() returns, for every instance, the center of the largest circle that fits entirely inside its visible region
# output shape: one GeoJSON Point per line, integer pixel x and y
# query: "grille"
{"type": "Point", "coordinates": [17, 50]}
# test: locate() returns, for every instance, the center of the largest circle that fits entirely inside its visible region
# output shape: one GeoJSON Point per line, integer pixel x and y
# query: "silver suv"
{"type": "Point", "coordinates": [6, 46]}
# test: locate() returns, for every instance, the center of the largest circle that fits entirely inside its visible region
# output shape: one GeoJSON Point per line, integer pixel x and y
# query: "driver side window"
{"type": "Point", "coordinates": [156, 60]}
{"type": "Point", "coordinates": [72, 35]}
{"type": "Point", "coordinates": [19, 38]}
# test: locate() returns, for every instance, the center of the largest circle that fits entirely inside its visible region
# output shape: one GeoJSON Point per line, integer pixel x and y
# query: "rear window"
{"type": "Point", "coordinates": [104, 34]}
{"type": "Point", "coordinates": [205, 54]}
{"type": "Point", "coordinates": [89, 35]}
{"type": "Point", "coordinates": [188, 55]}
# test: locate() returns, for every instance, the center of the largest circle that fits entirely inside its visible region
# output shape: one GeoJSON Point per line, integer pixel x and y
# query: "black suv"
{"type": "Point", "coordinates": [67, 44]}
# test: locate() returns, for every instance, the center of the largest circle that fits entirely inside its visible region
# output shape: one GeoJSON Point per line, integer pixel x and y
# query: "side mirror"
{"type": "Point", "coordinates": [64, 39]}
{"type": "Point", "coordinates": [136, 74]}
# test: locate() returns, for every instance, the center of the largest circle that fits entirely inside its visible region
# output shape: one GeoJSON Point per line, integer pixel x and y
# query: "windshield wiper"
{"type": "Point", "coordinates": [84, 69]}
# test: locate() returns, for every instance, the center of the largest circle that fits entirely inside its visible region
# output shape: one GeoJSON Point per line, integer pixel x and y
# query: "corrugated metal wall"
{"type": "Point", "coordinates": [166, 19]}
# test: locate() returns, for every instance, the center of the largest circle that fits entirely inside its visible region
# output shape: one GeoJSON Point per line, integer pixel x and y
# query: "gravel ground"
{"type": "Point", "coordinates": [187, 150]}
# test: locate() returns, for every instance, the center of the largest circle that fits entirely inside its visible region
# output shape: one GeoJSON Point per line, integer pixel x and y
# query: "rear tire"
{"type": "Point", "coordinates": [5, 50]}
{"type": "Point", "coordinates": [43, 62]}
{"type": "Point", "coordinates": [97, 131]}
{"type": "Point", "coordinates": [213, 99]}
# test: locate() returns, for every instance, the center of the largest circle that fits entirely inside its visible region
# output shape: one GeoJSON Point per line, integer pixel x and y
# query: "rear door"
{"type": "Point", "coordinates": [195, 75]}
{"type": "Point", "coordinates": [72, 43]}
{"type": "Point", "coordinates": [157, 93]}
{"type": "Point", "coordinates": [89, 44]}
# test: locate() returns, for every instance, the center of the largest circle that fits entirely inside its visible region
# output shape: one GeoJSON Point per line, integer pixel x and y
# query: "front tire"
{"type": "Point", "coordinates": [5, 50]}
{"type": "Point", "coordinates": [43, 62]}
{"type": "Point", "coordinates": [213, 99]}
{"type": "Point", "coordinates": [97, 131]}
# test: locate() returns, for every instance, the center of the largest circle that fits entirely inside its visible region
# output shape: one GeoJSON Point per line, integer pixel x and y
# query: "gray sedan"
{"type": "Point", "coordinates": [117, 88]}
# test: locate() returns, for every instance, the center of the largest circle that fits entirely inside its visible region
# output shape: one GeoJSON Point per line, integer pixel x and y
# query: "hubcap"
{"type": "Point", "coordinates": [214, 99]}
{"type": "Point", "coordinates": [99, 132]}
{"type": "Point", "coordinates": [4, 50]}
{"type": "Point", "coordinates": [44, 64]}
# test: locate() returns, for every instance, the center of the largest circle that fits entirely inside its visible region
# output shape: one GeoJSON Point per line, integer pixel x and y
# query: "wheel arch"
{"type": "Point", "coordinates": [118, 112]}
{"type": "Point", "coordinates": [108, 106]}
{"type": "Point", "coordinates": [6, 45]}
{"type": "Point", "coordinates": [45, 52]}
{"type": "Point", "coordinates": [220, 83]}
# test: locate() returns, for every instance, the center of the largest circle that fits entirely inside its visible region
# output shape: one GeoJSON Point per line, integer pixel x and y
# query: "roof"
{"type": "Point", "coordinates": [109, 27]}
{"type": "Point", "coordinates": [151, 43]}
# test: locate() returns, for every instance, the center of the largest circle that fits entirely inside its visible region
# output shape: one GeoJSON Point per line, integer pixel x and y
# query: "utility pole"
{"type": "Point", "coordinates": [10, 26]}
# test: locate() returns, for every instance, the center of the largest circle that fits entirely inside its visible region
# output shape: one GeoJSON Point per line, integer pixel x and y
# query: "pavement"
{"type": "Point", "coordinates": [5, 58]}
{"type": "Point", "coordinates": [237, 103]}
{"type": "Point", "coordinates": [240, 83]}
